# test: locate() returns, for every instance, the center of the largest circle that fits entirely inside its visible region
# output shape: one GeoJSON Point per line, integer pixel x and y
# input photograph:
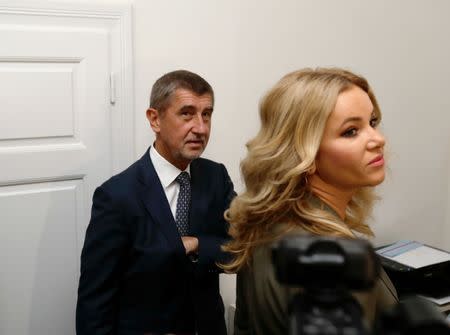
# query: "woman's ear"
{"type": "Point", "coordinates": [312, 169]}
{"type": "Point", "coordinates": [153, 118]}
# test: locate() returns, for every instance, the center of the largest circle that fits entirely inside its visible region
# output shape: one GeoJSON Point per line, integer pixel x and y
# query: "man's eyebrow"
{"type": "Point", "coordinates": [187, 108]}
{"type": "Point", "coordinates": [191, 108]}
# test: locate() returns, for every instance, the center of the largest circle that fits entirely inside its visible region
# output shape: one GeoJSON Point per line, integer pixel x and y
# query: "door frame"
{"type": "Point", "coordinates": [119, 13]}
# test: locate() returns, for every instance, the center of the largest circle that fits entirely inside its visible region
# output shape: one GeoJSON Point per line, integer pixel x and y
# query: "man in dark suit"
{"type": "Point", "coordinates": [148, 264]}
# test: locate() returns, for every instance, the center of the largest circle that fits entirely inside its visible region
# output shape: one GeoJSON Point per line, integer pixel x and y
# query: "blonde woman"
{"type": "Point", "coordinates": [311, 168]}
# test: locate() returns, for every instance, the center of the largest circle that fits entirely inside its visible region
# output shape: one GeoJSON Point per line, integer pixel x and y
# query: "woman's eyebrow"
{"type": "Point", "coordinates": [351, 119]}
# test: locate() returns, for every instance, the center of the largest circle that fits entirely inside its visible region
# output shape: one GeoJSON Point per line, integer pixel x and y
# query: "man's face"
{"type": "Point", "coordinates": [182, 129]}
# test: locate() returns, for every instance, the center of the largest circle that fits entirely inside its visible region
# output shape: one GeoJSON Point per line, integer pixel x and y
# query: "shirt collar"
{"type": "Point", "coordinates": [164, 169]}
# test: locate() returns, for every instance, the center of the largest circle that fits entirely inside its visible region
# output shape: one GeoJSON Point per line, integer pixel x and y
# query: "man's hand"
{"type": "Point", "coordinates": [190, 244]}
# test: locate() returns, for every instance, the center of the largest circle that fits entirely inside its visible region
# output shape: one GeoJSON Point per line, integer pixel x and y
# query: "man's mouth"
{"type": "Point", "coordinates": [195, 142]}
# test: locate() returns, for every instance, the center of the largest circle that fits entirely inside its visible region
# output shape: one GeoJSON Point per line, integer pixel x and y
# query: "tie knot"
{"type": "Point", "coordinates": [183, 178]}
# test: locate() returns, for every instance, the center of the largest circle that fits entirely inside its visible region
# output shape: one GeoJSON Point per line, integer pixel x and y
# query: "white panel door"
{"type": "Point", "coordinates": [56, 140]}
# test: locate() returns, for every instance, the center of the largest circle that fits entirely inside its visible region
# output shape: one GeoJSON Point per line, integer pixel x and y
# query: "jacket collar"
{"type": "Point", "coordinates": [154, 200]}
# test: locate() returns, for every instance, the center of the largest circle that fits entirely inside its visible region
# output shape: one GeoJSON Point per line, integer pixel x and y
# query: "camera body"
{"type": "Point", "coordinates": [325, 262]}
{"type": "Point", "coordinates": [328, 269]}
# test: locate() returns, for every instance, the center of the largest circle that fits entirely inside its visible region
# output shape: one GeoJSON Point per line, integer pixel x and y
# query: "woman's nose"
{"type": "Point", "coordinates": [376, 140]}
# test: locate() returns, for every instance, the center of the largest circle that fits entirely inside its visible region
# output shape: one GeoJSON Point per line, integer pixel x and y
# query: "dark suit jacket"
{"type": "Point", "coordinates": [135, 277]}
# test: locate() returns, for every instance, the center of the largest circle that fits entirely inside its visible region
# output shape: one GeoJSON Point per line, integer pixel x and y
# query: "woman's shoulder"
{"type": "Point", "coordinates": [286, 229]}
{"type": "Point", "coordinates": [262, 254]}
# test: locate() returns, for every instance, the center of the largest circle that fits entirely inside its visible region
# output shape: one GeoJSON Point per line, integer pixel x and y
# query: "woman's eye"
{"type": "Point", "coordinates": [350, 132]}
{"type": "Point", "coordinates": [374, 122]}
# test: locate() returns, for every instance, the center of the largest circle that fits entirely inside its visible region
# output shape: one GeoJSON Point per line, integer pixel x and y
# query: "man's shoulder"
{"type": "Point", "coordinates": [205, 163]}
{"type": "Point", "coordinates": [123, 179]}
{"type": "Point", "coordinates": [209, 170]}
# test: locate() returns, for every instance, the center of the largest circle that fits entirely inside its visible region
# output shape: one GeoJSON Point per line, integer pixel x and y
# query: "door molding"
{"type": "Point", "coordinates": [118, 16]}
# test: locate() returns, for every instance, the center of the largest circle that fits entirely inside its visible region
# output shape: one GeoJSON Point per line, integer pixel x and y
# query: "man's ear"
{"type": "Point", "coordinates": [153, 118]}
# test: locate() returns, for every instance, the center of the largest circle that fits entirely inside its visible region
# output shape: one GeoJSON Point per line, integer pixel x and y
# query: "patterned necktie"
{"type": "Point", "coordinates": [183, 203]}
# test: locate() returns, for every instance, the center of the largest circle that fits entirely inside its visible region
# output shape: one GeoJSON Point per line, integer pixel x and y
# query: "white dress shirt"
{"type": "Point", "coordinates": [167, 173]}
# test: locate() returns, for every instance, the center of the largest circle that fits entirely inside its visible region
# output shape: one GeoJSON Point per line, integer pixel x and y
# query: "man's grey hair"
{"type": "Point", "coordinates": [164, 87]}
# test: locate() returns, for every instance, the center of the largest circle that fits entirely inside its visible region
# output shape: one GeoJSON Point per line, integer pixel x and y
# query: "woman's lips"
{"type": "Point", "coordinates": [377, 161]}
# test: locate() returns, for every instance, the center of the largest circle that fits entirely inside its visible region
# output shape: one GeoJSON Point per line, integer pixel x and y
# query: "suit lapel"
{"type": "Point", "coordinates": [153, 197]}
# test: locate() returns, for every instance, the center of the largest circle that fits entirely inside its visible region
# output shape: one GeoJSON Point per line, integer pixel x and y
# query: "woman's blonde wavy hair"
{"type": "Point", "coordinates": [293, 116]}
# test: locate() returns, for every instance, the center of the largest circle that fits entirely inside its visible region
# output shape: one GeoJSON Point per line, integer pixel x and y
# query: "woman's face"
{"type": "Point", "coordinates": [351, 152]}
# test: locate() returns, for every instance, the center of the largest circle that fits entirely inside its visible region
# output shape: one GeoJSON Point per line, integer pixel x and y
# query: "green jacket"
{"type": "Point", "coordinates": [262, 302]}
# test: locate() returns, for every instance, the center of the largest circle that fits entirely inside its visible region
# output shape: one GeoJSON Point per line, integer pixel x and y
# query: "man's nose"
{"type": "Point", "coordinates": [200, 125]}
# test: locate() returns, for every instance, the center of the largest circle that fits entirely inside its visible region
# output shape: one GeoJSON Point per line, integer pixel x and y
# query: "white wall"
{"type": "Point", "coordinates": [243, 47]}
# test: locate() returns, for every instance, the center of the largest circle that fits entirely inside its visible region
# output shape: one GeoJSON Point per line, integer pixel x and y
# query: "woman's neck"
{"type": "Point", "coordinates": [334, 197]}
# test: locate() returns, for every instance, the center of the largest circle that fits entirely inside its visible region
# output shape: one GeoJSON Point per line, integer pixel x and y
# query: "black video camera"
{"type": "Point", "coordinates": [328, 269]}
